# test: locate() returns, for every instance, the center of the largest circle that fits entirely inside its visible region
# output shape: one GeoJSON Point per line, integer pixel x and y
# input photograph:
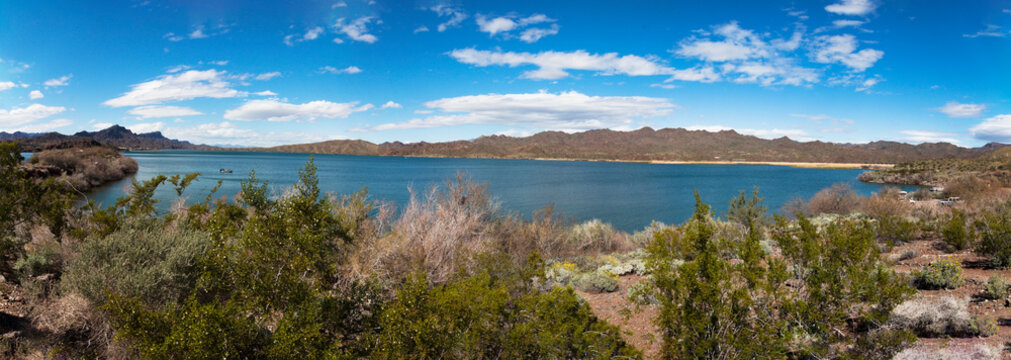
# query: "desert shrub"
{"type": "Point", "coordinates": [596, 282]}
{"type": "Point", "coordinates": [995, 235]}
{"type": "Point", "coordinates": [932, 317]}
{"type": "Point", "coordinates": [887, 203]}
{"type": "Point", "coordinates": [761, 306]}
{"type": "Point", "coordinates": [970, 187]}
{"type": "Point", "coordinates": [838, 199]}
{"type": "Point", "coordinates": [748, 211]}
{"type": "Point", "coordinates": [595, 237]}
{"type": "Point", "coordinates": [954, 231]}
{"type": "Point", "coordinates": [894, 230]}
{"type": "Point", "coordinates": [435, 233]}
{"type": "Point", "coordinates": [908, 255]}
{"type": "Point", "coordinates": [995, 287]}
{"type": "Point", "coordinates": [37, 262]}
{"type": "Point", "coordinates": [941, 274]}
{"type": "Point", "coordinates": [959, 351]}
{"type": "Point", "coordinates": [82, 330]}
{"type": "Point", "coordinates": [922, 194]}
{"type": "Point", "coordinates": [795, 206]}
{"type": "Point", "coordinates": [640, 238]}
{"type": "Point", "coordinates": [88, 167]}
{"type": "Point", "coordinates": [488, 315]}
{"type": "Point", "coordinates": [140, 260]}
{"type": "Point", "coordinates": [24, 203]}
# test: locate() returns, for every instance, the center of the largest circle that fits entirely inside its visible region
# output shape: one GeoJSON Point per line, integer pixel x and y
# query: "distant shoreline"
{"type": "Point", "coordinates": [806, 165]}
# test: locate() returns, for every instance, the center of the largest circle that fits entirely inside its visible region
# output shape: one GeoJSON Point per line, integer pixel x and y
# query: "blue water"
{"type": "Point", "coordinates": [627, 195]}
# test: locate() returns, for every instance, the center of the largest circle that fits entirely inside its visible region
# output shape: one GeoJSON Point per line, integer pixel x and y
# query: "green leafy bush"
{"type": "Point", "coordinates": [995, 287]}
{"type": "Point", "coordinates": [941, 274]}
{"type": "Point", "coordinates": [954, 231]}
{"type": "Point", "coordinates": [36, 262]}
{"type": "Point", "coordinates": [487, 316]}
{"type": "Point", "coordinates": [894, 230]}
{"type": "Point", "coordinates": [995, 235]}
{"type": "Point", "coordinates": [791, 305]}
{"type": "Point", "coordinates": [141, 259]}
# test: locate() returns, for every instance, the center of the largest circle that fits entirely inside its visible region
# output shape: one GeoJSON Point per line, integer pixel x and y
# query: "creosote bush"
{"type": "Point", "coordinates": [941, 274]}
{"type": "Point", "coordinates": [995, 235]}
{"type": "Point", "coordinates": [827, 290]}
{"type": "Point", "coordinates": [995, 287]}
{"type": "Point", "coordinates": [954, 231]}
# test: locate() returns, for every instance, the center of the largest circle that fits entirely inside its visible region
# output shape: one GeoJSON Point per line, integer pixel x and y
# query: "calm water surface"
{"type": "Point", "coordinates": [627, 195]}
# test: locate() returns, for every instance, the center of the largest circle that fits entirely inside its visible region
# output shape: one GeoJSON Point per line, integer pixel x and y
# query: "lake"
{"type": "Point", "coordinates": [627, 195]}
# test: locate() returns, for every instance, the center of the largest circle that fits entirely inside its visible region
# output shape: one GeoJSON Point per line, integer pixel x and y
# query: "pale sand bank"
{"type": "Point", "coordinates": [809, 165]}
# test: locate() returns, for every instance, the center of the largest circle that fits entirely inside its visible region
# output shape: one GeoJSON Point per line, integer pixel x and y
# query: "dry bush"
{"type": "Point", "coordinates": [434, 234]}
{"type": "Point", "coordinates": [547, 233]}
{"type": "Point", "coordinates": [795, 206]}
{"type": "Point", "coordinates": [887, 203]}
{"type": "Point", "coordinates": [88, 167]}
{"type": "Point", "coordinates": [971, 188]}
{"type": "Point", "coordinates": [937, 317]}
{"type": "Point", "coordinates": [837, 199]}
{"type": "Point", "coordinates": [951, 352]}
{"type": "Point", "coordinates": [596, 237]}
{"type": "Point", "coordinates": [75, 321]}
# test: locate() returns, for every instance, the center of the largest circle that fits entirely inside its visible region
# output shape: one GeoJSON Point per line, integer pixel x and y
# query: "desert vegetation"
{"type": "Point", "coordinates": [82, 168]}
{"type": "Point", "coordinates": [300, 273]}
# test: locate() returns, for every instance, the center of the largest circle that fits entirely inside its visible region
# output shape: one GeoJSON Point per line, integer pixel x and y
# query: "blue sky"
{"type": "Point", "coordinates": [268, 73]}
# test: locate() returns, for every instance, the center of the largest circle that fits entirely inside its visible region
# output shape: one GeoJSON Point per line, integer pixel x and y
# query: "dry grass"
{"type": "Point", "coordinates": [951, 352]}
{"type": "Point", "coordinates": [433, 234]}
{"type": "Point", "coordinates": [75, 321]}
{"type": "Point", "coordinates": [887, 203]}
{"type": "Point", "coordinates": [934, 317]}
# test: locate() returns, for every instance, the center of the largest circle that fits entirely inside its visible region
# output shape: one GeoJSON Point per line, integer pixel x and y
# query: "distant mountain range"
{"type": "Point", "coordinates": [115, 135]}
{"type": "Point", "coordinates": [647, 144]}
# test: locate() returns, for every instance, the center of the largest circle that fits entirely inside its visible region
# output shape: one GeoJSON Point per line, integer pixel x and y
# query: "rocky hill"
{"type": "Point", "coordinates": [115, 135]}
{"type": "Point", "coordinates": [647, 144]}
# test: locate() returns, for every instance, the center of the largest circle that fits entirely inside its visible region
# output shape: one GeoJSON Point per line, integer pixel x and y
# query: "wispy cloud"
{"type": "Point", "coordinates": [19, 116]}
{"type": "Point", "coordinates": [567, 111]}
{"type": "Point", "coordinates": [852, 7]}
{"type": "Point", "coordinates": [161, 111]}
{"type": "Point", "coordinates": [177, 87]}
{"type": "Point", "coordinates": [60, 81]}
{"type": "Point", "coordinates": [990, 31]}
{"type": "Point", "coordinates": [275, 110]}
{"type": "Point", "coordinates": [929, 136]}
{"type": "Point", "coordinates": [357, 29]}
{"type": "Point", "coordinates": [348, 70]}
{"type": "Point", "coordinates": [956, 109]}
{"type": "Point", "coordinates": [503, 26]}
{"type": "Point", "coordinates": [997, 128]}
{"type": "Point", "coordinates": [554, 65]}
{"type": "Point", "coordinates": [455, 16]}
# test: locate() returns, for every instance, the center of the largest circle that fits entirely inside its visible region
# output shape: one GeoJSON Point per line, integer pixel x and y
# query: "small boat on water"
{"type": "Point", "coordinates": [225, 171]}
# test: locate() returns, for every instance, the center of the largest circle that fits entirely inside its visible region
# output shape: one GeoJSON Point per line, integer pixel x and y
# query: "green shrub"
{"type": "Point", "coordinates": [481, 317]}
{"type": "Point", "coordinates": [596, 282]}
{"type": "Point", "coordinates": [954, 231]}
{"type": "Point", "coordinates": [995, 287]}
{"type": "Point", "coordinates": [995, 235]}
{"type": "Point", "coordinates": [142, 260]}
{"type": "Point", "coordinates": [792, 305]}
{"type": "Point", "coordinates": [941, 274]}
{"type": "Point", "coordinates": [36, 262]}
{"type": "Point", "coordinates": [894, 230]}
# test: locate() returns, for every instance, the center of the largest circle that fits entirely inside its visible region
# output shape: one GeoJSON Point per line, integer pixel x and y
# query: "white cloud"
{"type": "Point", "coordinates": [162, 111]}
{"type": "Point", "coordinates": [265, 93]}
{"type": "Point", "coordinates": [956, 109]}
{"type": "Point", "coordinates": [553, 65]}
{"type": "Point", "coordinates": [26, 115]}
{"type": "Point", "coordinates": [997, 128]}
{"type": "Point", "coordinates": [35, 94]}
{"type": "Point", "coordinates": [60, 81]}
{"type": "Point", "coordinates": [173, 37]}
{"type": "Point", "coordinates": [43, 127]}
{"type": "Point", "coordinates": [101, 125]}
{"type": "Point", "coordinates": [531, 35]}
{"type": "Point", "coordinates": [842, 49]}
{"type": "Point", "coordinates": [421, 29]}
{"type": "Point", "coordinates": [268, 76]}
{"type": "Point", "coordinates": [358, 29]}
{"type": "Point", "coordinates": [177, 87]}
{"type": "Point", "coordinates": [339, 4]}
{"type": "Point", "coordinates": [567, 111]}
{"type": "Point", "coordinates": [7, 85]}
{"type": "Point", "coordinates": [227, 133]}
{"type": "Point", "coordinates": [745, 57]}
{"type": "Point", "coordinates": [929, 136]}
{"type": "Point", "coordinates": [348, 70]}
{"type": "Point", "coordinates": [990, 31]}
{"type": "Point", "coordinates": [847, 23]}
{"type": "Point", "coordinates": [455, 15]}
{"type": "Point", "coordinates": [515, 133]}
{"type": "Point", "coordinates": [198, 33]}
{"type": "Point", "coordinates": [274, 110]}
{"type": "Point", "coordinates": [495, 25]}
{"type": "Point", "coordinates": [144, 128]}
{"type": "Point", "coordinates": [310, 34]}
{"type": "Point", "coordinates": [852, 7]}
{"type": "Point", "coordinates": [391, 105]}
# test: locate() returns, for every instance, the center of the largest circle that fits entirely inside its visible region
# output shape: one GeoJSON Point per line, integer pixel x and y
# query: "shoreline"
{"type": "Point", "coordinates": [795, 164]}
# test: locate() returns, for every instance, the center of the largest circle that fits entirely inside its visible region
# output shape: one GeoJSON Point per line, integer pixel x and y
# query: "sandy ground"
{"type": "Point", "coordinates": [809, 165]}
